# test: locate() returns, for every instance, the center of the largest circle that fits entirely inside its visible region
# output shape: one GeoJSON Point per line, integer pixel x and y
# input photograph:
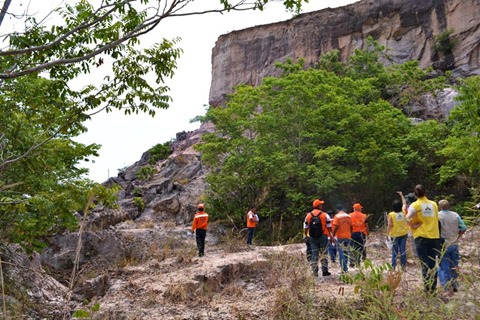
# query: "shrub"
{"type": "Point", "coordinates": [443, 43]}
{"type": "Point", "coordinates": [137, 192]}
{"type": "Point", "coordinates": [159, 152]}
{"type": "Point", "coordinates": [145, 173]}
{"type": "Point", "coordinates": [138, 201]}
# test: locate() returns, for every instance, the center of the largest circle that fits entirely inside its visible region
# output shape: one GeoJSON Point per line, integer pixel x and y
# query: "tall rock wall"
{"type": "Point", "coordinates": [407, 27]}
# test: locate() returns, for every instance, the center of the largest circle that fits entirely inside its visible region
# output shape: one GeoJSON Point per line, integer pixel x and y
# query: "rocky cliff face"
{"type": "Point", "coordinates": [407, 27]}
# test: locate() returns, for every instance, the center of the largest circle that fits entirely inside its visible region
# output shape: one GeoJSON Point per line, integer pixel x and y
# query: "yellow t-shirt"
{"type": "Point", "coordinates": [400, 226]}
{"type": "Point", "coordinates": [427, 214]}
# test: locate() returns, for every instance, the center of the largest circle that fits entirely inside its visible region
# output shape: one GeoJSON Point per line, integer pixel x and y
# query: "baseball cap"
{"type": "Point", "coordinates": [357, 206]}
{"type": "Point", "coordinates": [317, 202]}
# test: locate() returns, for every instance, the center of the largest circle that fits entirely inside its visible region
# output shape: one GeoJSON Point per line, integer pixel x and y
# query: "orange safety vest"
{"type": "Point", "coordinates": [251, 223]}
{"type": "Point", "coordinates": [200, 221]}
{"type": "Point", "coordinates": [358, 222]}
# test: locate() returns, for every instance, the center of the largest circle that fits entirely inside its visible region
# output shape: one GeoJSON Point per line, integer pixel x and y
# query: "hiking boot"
{"type": "Point", "coordinates": [201, 254]}
{"type": "Point", "coordinates": [326, 274]}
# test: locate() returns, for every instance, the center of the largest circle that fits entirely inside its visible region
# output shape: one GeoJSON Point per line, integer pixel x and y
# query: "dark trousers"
{"type": "Point", "coordinates": [319, 249]}
{"type": "Point", "coordinates": [427, 250]}
{"type": "Point", "coordinates": [309, 251]}
{"type": "Point", "coordinates": [358, 251]}
{"type": "Point", "coordinates": [251, 231]}
{"type": "Point", "coordinates": [200, 235]}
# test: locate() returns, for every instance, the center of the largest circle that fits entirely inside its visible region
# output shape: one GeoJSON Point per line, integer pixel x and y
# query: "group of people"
{"type": "Point", "coordinates": [335, 232]}
{"type": "Point", "coordinates": [435, 233]}
{"type": "Point", "coordinates": [436, 230]}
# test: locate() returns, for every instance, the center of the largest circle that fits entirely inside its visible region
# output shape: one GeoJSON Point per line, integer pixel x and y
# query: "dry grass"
{"type": "Point", "coordinates": [151, 299]}
{"type": "Point", "coordinates": [233, 242]}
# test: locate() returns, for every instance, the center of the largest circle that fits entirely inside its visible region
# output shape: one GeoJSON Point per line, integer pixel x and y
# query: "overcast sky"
{"type": "Point", "coordinates": [125, 138]}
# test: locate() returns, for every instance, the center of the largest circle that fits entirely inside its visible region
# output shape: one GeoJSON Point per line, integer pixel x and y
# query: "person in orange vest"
{"type": "Point", "coordinates": [199, 228]}
{"type": "Point", "coordinates": [359, 235]}
{"type": "Point", "coordinates": [317, 228]}
{"type": "Point", "coordinates": [252, 221]}
{"type": "Point", "coordinates": [342, 231]}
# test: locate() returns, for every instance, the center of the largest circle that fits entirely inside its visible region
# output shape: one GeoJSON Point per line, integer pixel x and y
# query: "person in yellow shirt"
{"type": "Point", "coordinates": [398, 231]}
{"type": "Point", "coordinates": [423, 218]}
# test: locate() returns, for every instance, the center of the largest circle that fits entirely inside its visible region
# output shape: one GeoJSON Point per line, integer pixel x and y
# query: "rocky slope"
{"type": "Point", "coordinates": [407, 27]}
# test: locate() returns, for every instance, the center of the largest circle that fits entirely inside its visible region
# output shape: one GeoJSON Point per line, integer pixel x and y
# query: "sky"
{"type": "Point", "coordinates": [125, 138]}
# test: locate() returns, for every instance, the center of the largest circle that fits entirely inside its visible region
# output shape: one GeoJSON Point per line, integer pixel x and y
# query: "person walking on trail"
{"type": "Point", "coordinates": [332, 245]}
{"type": "Point", "coordinates": [318, 228]}
{"type": "Point", "coordinates": [359, 235]}
{"type": "Point", "coordinates": [423, 216]}
{"type": "Point", "coordinates": [252, 221]}
{"type": "Point", "coordinates": [398, 232]}
{"type": "Point", "coordinates": [452, 228]}
{"type": "Point", "coordinates": [342, 232]}
{"type": "Point", "coordinates": [199, 228]}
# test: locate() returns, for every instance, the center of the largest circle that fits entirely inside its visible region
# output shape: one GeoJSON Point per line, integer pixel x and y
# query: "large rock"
{"type": "Point", "coordinates": [407, 27]}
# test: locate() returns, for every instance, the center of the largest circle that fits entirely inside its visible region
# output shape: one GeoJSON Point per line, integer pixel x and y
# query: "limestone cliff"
{"type": "Point", "coordinates": [407, 27]}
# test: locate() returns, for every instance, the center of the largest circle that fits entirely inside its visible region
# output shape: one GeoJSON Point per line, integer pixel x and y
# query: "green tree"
{"type": "Point", "coordinates": [462, 148]}
{"type": "Point", "coordinates": [304, 134]}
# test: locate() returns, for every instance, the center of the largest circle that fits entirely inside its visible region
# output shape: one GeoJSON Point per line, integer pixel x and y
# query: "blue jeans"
{"type": "Point", "coordinates": [427, 250]}
{"type": "Point", "coordinates": [343, 247]}
{"type": "Point", "coordinates": [399, 247]}
{"type": "Point", "coordinates": [332, 251]}
{"type": "Point", "coordinates": [448, 266]}
{"type": "Point", "coordinates": [319, 248]}
{"type": "Point", "coordinates": [251, 231]}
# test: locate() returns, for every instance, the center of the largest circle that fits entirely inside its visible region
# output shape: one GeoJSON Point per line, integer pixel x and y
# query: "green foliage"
{"type": "Point", "coordinates": [443, 43]}
{"type": "Point", "coordinates": [371, 279]}
{"type": "Point", "coordinates": [84, 314]}
{"type": "Point", "coordinates": [41, 183]}
{"type": "Point", "coordinates": [159, 152]}
{"type": "Point", "coordinates": [139, 203]}
{"type": "Point", "coordinates": [81, 314]}
{"type": "Point", "coordinates": [137, 192]}
{"type": "Point", "coordinates": [145, 173]}
{"type": "Point", "coordinates": [462, 148]}
{"type": "Point", "coordinates": [315, 134]}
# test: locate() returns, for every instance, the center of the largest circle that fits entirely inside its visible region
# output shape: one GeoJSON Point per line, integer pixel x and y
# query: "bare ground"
{"type": "Point", "coordinates": [235, 282]}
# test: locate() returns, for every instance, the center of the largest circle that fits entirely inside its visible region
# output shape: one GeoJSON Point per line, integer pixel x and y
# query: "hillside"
{"type": "Point", "coordinates": [164, 279]}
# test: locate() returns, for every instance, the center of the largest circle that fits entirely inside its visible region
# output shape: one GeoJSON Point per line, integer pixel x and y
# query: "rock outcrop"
{"type": "Point", "coordinates": [407, 27]}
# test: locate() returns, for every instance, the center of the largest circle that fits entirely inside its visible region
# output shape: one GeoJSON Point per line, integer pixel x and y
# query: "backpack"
{"type": "Point", "coordinates": [315, 227]}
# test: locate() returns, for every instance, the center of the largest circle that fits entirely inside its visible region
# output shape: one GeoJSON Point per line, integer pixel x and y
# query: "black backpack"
{"type": "Point", "coordinates": [315, 227]}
